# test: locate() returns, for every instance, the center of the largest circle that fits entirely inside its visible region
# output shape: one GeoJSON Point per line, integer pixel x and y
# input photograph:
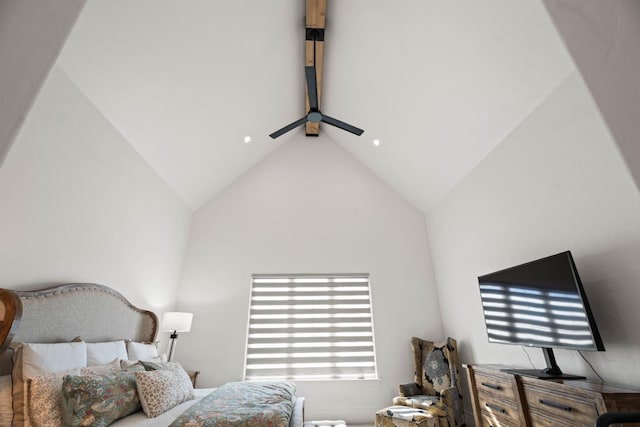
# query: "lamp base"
{"type": "Point", "coordinates": [172, 346]}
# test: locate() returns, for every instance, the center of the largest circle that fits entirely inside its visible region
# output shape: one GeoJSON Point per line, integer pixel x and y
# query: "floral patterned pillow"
{"type": "Point", "coordinates": [45, 393]}
{"type": "Point", "coordinates": [45, 397]}
{"type": "Point", "coordinates": [162, 390]}
{"type": "Point", "coordinates": [98, 399]}
{"type": "Point", "coordinates": [131, 366]}
{"type": "Point", "coordinates": [108, 368]}
{"type": "Point", "coordinates": [161, 366]}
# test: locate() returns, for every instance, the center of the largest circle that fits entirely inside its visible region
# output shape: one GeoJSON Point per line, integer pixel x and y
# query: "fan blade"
{"type": "Point", "coordinates": [342, 125]}
{"type": "Point", "coordinates": [287, 128]}
{"type": "Point", "coordinates": [312, 87]}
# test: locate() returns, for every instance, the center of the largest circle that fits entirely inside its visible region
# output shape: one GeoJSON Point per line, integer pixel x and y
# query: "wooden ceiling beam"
{"type": "Point", "coordinates": [316, 12]}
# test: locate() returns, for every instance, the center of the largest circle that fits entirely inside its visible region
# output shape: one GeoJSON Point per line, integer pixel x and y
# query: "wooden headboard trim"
{"type": "Point", "coordinates": [15, 301]}
{"type": "Point", "coordinates": [11, 319]}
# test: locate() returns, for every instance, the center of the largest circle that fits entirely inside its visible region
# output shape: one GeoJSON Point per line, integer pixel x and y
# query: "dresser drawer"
{"type": "Point", "coordinates": [490, 420]}
{"type": "Point", "coordinates": [498, 386]}
{"type": "Point", "coordinates": [540, 420]}
{"type": "Point", "coordinates": [497, 407]}
{"type": "Point", "coordinates": [555, 405]}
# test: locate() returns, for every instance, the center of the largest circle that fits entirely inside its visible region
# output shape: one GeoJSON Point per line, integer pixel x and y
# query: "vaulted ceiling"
{"type": "Point", "coordinates": [439, 83]}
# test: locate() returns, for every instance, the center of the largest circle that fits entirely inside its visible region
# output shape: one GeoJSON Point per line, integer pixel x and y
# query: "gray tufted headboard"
{"type": "Point", "coordinates": [92, 312]}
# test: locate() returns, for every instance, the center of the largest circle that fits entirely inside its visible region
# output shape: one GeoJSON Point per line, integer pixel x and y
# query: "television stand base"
{"type": "Point", "coordinates": [541, 374]}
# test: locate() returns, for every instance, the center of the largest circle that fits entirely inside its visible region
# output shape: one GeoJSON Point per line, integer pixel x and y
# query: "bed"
{"type": "Point", "coordinates": [44, 334]}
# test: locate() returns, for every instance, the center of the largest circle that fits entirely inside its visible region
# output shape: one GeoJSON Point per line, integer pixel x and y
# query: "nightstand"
{"type": "Point", "coordinates": [193, 376]}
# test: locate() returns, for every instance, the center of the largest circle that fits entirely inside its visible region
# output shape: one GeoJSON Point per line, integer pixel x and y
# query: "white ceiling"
{"type": "Point", "coordinates": [440, 83]}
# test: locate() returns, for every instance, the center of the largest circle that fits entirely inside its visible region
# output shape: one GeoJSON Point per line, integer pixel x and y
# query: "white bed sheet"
{"type": "Point", "coordinates": [140, 419]}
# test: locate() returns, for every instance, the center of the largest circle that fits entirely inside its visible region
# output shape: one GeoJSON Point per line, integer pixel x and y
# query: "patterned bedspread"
{"type": "Point", "coordinates": [242, 404]}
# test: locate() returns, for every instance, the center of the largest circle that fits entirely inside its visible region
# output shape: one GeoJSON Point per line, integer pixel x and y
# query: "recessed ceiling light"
{"type": "Point", "coordinates": [247, 139]}
{"type": "Point", "coordinates": [376, 142]}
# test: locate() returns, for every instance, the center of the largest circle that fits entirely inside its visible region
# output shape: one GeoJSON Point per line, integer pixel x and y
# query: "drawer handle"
{"type": "Point", "coordinates": [555, 405]}
{"type": "Point", "coordinates": [493, 386]}
{"type": "Point", "coordinates": [494, 408]}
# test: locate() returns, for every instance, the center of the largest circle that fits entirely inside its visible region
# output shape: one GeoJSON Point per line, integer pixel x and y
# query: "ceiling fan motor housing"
{"type": "Point", "coordinates": [314, 116]}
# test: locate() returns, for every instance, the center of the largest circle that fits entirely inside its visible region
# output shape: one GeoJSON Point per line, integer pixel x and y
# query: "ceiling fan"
{"type": "Point", "coordinates": [314, 48]}
{"type": "Point", "coordinates": [315, 115]}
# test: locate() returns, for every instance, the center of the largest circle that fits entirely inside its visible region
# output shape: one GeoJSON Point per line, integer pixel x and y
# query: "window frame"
{"type": "Point", "coordinates": [357, 361]}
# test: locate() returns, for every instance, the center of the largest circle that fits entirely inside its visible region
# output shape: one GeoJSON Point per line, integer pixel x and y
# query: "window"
{"type": "Point", "coordinates": [312, 327]}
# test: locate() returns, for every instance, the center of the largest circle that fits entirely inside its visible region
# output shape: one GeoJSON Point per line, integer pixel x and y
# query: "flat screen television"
{"type": "Point", "coordinates": [540, 304]}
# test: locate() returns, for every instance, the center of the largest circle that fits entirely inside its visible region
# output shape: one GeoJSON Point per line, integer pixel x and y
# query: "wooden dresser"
{"type": "Point", "coordinates": [501, 399]}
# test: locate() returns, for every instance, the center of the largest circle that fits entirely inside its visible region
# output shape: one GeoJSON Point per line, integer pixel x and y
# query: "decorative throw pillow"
{"type": "Point", "coordinates": [44, 397]}
{"type": "Point", "coordinates": [161, 366]}
{"type": "Point", "coordinates": [107, 368]}
{"type": "Point", "coordinates": [32, 360]}
{"type": "Point", "coordinates": [131, 366]}
{"type": "Point", "coordinates": [98, 399]}
{"type": "Point", "coordinates": [100, 353]}
{"type": "Point", "coordinates": [162, 390]}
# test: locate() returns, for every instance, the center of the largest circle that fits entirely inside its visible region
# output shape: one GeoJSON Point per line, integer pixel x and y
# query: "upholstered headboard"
{"type": "Point", "coordinates": [92, 312]}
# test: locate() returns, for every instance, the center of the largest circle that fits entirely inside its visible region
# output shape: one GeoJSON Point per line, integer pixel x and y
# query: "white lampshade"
{"type": "Point", "coordinates": [176, 321]}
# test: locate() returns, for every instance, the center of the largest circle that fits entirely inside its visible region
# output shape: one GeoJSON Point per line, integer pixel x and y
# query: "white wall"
{"type": "Point", "coordinates": [604, 40]}
{"type": "Point", "coordinates": [309, 207]}
{"type": "Point", "coordinates": [78, 204]}
{"type": "Point", "coordinates": [32, 33]}
{"type": "Point", "coordinates": [557, 182]}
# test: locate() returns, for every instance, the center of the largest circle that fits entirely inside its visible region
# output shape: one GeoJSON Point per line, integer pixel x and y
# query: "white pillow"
{"type": "Point", "coordinates": [6, 410]}
{"type": "Point", "coordinates": [142, 351]}
{"type": "Point", "coordinates": [101, 353]}
{"type": "Point", "coordinates": [38, 359]}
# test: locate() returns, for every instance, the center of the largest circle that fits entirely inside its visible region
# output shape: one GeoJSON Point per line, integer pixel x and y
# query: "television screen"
{"type": "Point", "coordinates": [541, 304]}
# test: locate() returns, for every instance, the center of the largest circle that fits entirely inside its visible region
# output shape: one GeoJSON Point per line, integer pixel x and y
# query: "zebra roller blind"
{"type": "Point", "coordinates": [310, 327]}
